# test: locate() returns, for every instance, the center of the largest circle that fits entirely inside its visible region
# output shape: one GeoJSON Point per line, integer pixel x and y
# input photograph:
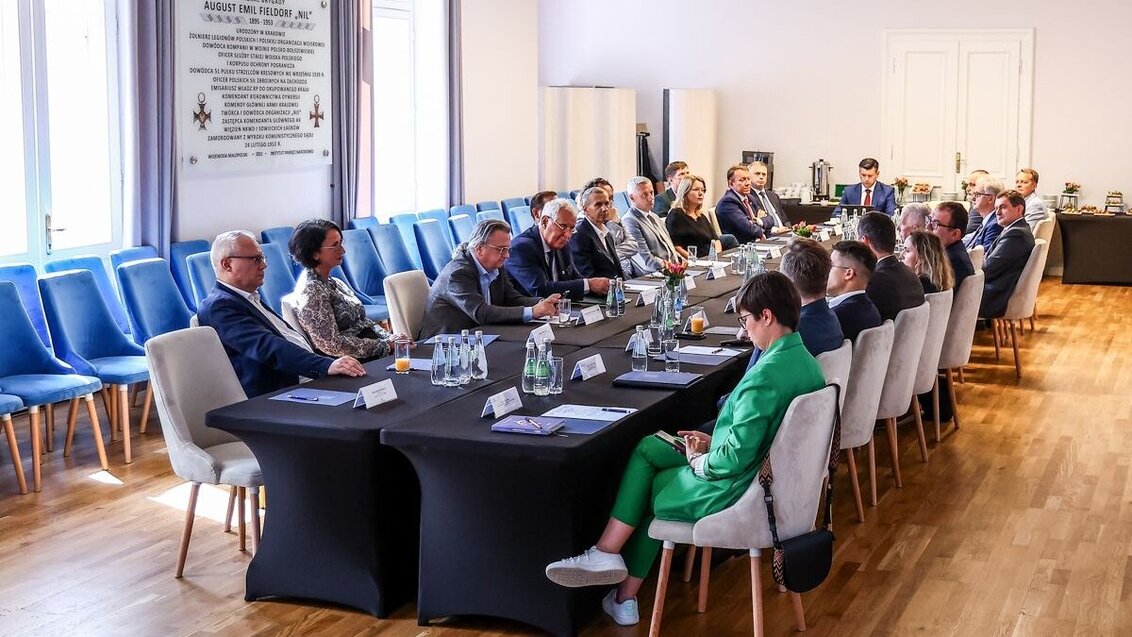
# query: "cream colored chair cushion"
{"type": "Point", "coordinates": [407, 296]}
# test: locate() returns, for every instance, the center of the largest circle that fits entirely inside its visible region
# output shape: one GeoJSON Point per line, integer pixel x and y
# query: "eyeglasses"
{"type": "Point", "coordinates": [258, 258]}
{"type": "Point", "coordinates": [935, 223]}
{"type": "Point", "coordinates": [743, 319]}
{"type": "Point", "coordinates": [503, 250]}
{"type": "Point", "coordinates": [840, 267]}
{"type": "Point", "coordinates": [563, 227]}
{"type": "Point", "coordinates": [337, 246]}
{"type": "Point", "coordinates": [980, 194]}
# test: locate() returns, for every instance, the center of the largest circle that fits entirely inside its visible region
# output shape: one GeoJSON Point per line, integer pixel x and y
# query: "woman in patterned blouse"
{"type": "Point", "coordinates": [327, 308]}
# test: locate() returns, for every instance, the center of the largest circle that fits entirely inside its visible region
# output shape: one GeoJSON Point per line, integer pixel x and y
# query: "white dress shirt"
{"type": "Point", "coordinates": [280, 325]}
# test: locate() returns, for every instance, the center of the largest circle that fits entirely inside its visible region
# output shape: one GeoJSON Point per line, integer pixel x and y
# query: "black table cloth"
{"type": "Point", "coordinates": [1096, 248]}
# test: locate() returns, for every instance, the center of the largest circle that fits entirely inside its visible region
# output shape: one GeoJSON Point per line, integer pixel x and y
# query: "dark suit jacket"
{"type": "Point", "coordinates": [264, 360]}
{"type": "Point", "coordinates": [1003, 265]}
{"type": "Point", "coordinates": [857, 314]}
{"type": "Point", "coordinates": [884, 198]}
{"type": "Point", "coordinates": [819, 328]}
{"type": "Point", "coordinates": [733, 220]}
{"type": "Point", "coordinates": [986, 234]}
{"type": "Point", "coordinates": [894, 287]}
{"type": "Point", "coordinates": [589, 254]}
{"type": "Point", "coordinates": [974, 222]}
{"type": "Point", "coordinates": [961, 264]}
{"type": "Point", "coordinates": [663, 202]}
{"type": "Point", "coordinates": [529, 270]}
{"type": "Point", "coordinates": [456, 301]}
{"type": "Point", "coordinates": [768, 221]}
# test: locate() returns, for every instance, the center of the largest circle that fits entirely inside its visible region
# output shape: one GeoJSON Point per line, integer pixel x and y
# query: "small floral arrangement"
{"type": "Point", "coordinates": [900, 182]}
{"type": "Point", "coordinates": [803, 229]}
{"type": "Point", "coordinates": [673, 272]}
{"type": "Point", "coordinates": [1071, 188]}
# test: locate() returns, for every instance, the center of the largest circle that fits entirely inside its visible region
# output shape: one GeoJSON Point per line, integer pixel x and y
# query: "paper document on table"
{"type": "Point", "coordinates": [701, 350]}
{"type": "Point", "coordinates": [722, 330]}
{"type": "Point", "coordinates": [589, 412]}
{"type": "Point", "coordinates": [323, 397]}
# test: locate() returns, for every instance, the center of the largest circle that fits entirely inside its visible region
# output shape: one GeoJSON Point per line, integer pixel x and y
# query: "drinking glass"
{"type": "Point", "coordinates": [556, 375]}
{"type": "Point", "coordinates": [691, 253]}
{"type": "Point", "coordinates": [401, 363]}
{"type": "Point", "coordinates": [563, 311]}
{"type": "Point", "coordinates": [696, 320]}
{"type": "Point", "coordinates": [655, 333]}
{"type": "Point", "coordinates": [671, 356]}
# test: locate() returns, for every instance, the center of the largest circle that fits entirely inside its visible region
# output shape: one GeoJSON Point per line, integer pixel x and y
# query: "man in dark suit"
{"type": "Point", "coordinates": [474, 289]}
{"type": "Point", "coordinates": [948, 223]}
{"type": "Point", "coordinates": [982, 204]}
{"type": "Point", "coordinates": [736, 210]}
{"type": "Point", "coordinates": [870, 192]}
{"type": "Point", "coordinates": [1008, 255]}
{"type": "Point", "coordinates": [674, 173]}
{"type": "Point", "coordinates": [807, 264]}
{"type": "Point", "coordinates": [266, 353]}
{"type": "Point", "coordinates": [769, 206]}
{"type": "Point", "coordinates": [540, 262]}
{"type": "Point", "coordinates": [851, 267]}
{"type": "Point", "coordinates": [594, 248]}
{"type": "Point", "coordinates": [893, 286]}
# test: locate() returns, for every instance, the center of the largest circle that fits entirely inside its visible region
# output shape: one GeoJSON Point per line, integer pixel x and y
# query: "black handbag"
{"type": "Point", "coordinates": [802, 563]}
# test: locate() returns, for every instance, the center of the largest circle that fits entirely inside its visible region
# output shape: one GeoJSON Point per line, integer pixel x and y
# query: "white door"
{"type": "Point", "coordinates": [956, 101]}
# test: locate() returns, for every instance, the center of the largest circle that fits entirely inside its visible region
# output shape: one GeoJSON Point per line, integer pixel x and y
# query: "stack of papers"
{"type": "Point", "coordinates": [700, 355]}
{"type": "Point", "coordinates": [589, 412]}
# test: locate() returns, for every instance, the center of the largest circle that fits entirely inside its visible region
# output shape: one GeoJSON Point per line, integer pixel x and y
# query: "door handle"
{"type": "Point", "coordinates": [958, 161]}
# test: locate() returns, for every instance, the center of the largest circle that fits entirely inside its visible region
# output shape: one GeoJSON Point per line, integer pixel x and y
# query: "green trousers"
{"type": "Point", "coordinates": [652, 467]}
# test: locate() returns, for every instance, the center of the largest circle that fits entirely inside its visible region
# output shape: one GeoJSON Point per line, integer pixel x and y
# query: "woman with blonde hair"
{"type": "Point", "coordinates": [687, 221]}
{"type": "Point", "coordinates": [925, 255]}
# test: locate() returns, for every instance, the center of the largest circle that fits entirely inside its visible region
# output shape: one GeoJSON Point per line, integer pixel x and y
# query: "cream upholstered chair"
{"type": "Point", "coordinates": [927, 373]}
{"type": "Point", "coordinates": [977, 254]}
{"type": "Point", "coordinates": [1043, 231]}
{"type": "Point", "coordinates": [407, 296]}
{"type": "Point", "coordinates": [907, 342]}
{"type": "Point", "coordinates": [799, 457]}
{"type": "Point", "coordinates": [859, 413]}
{"type": "Point", "coordinates": [1022, 300]}
{"type": "Point", "coordinates": [191, 376]}
{"type": "Point", "coordinates": [960, 334]}
{"type": "Point", "coordinates": [710, 212]}
{"type": "Point", "coordinates": [835, 364]}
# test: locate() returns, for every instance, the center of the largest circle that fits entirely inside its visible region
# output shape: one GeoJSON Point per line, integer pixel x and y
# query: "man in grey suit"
{"type": "Point", "coordinates": [645, 228]}
{"type": "Point", "coordinates": [474, 288]}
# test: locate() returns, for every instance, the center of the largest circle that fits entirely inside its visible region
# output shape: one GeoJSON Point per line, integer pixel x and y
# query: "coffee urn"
{"type": "Point", "coordinates": [819, 172]}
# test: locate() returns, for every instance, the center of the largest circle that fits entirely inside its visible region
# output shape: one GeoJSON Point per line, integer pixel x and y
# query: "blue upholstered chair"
{"type": "Point", "coordinates": [136, 253]}
{"type": "Point", "coordinates": [95, 266]}
{"type": "Point", "coordinates": [442, 217]}
{"type": "Point", "coordinates": [564, 194]}
{"type": "Point", "coordinates": [435, 213]}
{"type": "Point", "coordinates": [281, 236]}
{"type": "Point", "coordinates": [8, 405]}
{"type": "Point", "coordinates": [153, 302]}
{"type": "Point", "coordinates": [520, 219]}
{"type": "Point", "coordinates": [488, 205]}
{"type": "Point", "coordinates": [391, 248]}
{"type": "Point", "coordinates": [574, 194]}
{"type": "Point", "coordinates": [29, 371]}
{"type": "Point", "coordinates": [278, 278]}
{"type": "Point", "coordinates": [489, 214]}
{"type": "Point", "coordinates": [463, 209]}
{"type": "Point", "coordinates": [435, 253]}
{"type": "Point", "coordinates": [363, 223]}
{"type": "Point", "coordinates": [527, 200]}
{"type": "Point", "coordinates": [178, 253]}
{"type": "Point", "coordinates": [25, 277]}
{"type": "Point", "coordinates": [202, 275]}
{"type": "Point", "coordinates": [461, 226]}
{"type": "Point", "coordinates": [404, 223]}
{"type": "Point", "coordinates": [512, 202]}
{"type": "Point", "coordinates": [375, 307]}
{"type": "Point", "coordinates": [621, 202]}
{"type": "Point", "coordinates": [86, 338]}
{"type": "Point", "coordinates": [362, 267]}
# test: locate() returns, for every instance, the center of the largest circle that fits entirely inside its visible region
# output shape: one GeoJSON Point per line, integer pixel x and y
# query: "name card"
{"type": "Point", "coordinates": [823, 236]}
{"type": "Point", "coordinates": [776, 253]}
{"type": "Point", "coordinates": [542, 334]}
{"type": "Point", "coordinates": [717, 272]}
{"type": "Point", "coordinates": [689, 283]}
{"type": "Point", "coordinates": [588, 367]}
{"type": "Point", "coordinates": [376, 394]}
{"type": "Point", "coordinates": [503, 403]}
{"type": "Point", "coordinates": [591, 314]}
{"type": "Point", "coordinates": [730, 307]}
{"type": "Point", "coordinates": [646, 297]}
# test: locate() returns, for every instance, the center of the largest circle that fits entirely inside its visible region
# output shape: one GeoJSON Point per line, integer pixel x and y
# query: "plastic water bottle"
{"type": "Point", "coordinates": [712, 254]}
{"type": "Point", "coordinates": [479, 358]}
{"type": "Point", "coordinates": [439, 361]}
{"type": "Point", "coordinates": [611, 299]}
{"type": "Point", "coordinates": [452, 364]}
{"type": "Point", "coordinates": [542, 371]}
{"type": "Point", "coordinates": [465, 357]}
{"type": "Point", "coordinates": [640, 351]}
{"type": "Point", "coordinates": [529, 361]}
{"type": "Point", "coordinates": [619, 296]}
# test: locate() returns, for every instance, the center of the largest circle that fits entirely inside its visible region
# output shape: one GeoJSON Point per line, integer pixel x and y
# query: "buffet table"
{"type": "Point", "coordinates": [1096, 248]}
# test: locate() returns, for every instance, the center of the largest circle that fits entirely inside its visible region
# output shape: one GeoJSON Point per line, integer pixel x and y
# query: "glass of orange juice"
{"type": "Point", "coordinates": [697, 320]}
{"type": "Point", "coordinates": [401, 363]}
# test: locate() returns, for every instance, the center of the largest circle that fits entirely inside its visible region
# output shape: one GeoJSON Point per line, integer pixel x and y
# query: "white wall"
{"type": "Point", "coordinates": [499, 56]}
{"type": "Point", "coordinates": [804, 79]}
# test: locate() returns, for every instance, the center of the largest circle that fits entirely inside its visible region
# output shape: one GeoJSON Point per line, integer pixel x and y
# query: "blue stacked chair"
{"type": "Point", "coordinates": [621, 202]}
{"type": "Point", "coordinates": [574, 194]}
{"type": "Point", "coordinates": [8, 405]}
{"type": "Point", "coordinates": [278, 278]}
{"type": "Point", "coordinates": [281, 236]}
{"type": "Point", "coordinates": [441, 216]}
{"type": "Point", "coordinates": [86, 338]}
{"type": "Point", "coordinates": [435, 253]}
{"type": "Point", "coordinates": [391, 248]}
{"type": "Point", "coordinates": [202, 275]}
{"type": "Point", "coordinates": [363, 223]}
{"type": "Point", "coordinates": [513, 202]}
{"type": "Point", "coordinates": [489, 214]}
{"type": "Point", "coordinates": [178, 264]}
{"type": "Point", "coordinates": [136, 253]}
{"type": "Point", "coordinates": [30, 372]}
{"type": "Point", "coordinates": [527, 200]}
{"type": "Point", "coordinates": [96, 267]}
{"type": "Point", "coordinates": [461, 226]}
{"type": "Point", "coordinates": [463, 209]}
{"type": "Point", "coordinates": [24, 277]}
{"type": "Point", "coordinates": [153, 302]}
{"type": "Point", "coordinates": [563, 194]}
{"type": "Point", "coordinates": [363, 268]}
{"type": "Point", "coordinates": [404, 223]}
{"type": "Point", "coordinates": [488, 205]}
{"type": "Point", "coordinates": [436, 213]}
{"type": "Point", "coordinates": [520, 219]}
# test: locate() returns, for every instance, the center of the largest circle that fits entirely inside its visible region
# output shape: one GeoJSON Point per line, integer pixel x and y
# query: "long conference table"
{"type": "Point", "coordinates": [418, 498]}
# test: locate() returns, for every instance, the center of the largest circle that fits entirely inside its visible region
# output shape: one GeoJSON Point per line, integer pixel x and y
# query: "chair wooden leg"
{"type": "Point", "coordinates": [873, 471]}
{"type": "Point", "coordinates": [190, 515]}
{"type": "Point", "coordinates": [954, 402]}
{"type": "Point", "coordinates": [36, 447]}
{"type": "Point", "coordinates": [994, 332]}
{"type": "Point", "coordinates": [72, 417]}
{"type": "Point", "coordinates": [231, 508]}
{"type": "Point", "coordinates": [14, 450]}
{"type": "Point", "coordinates": [97, 430]}
{"type": "Point", "coordinates": [851, 456]}
{"type": "Point", "coordinates": [124, 414]}
{"type": "Point", "coordinates": [920, 429]}
{"type": "Point", "coordinates": [108, 405]}
{"type": "Point", "coordinates": [799, 612]}
{"type": "Point", "coordinates": [894, 450]}
{"type": "Point", "coordinates": [253, 500]}
{"type": "Point", "coordinates": [689, 562]}
{"type": "Point", "coordinates": [133, 395]}
{"type": "Point", "coordinates": [241, 500]}
{"type": "Point", "coordinates": [756, 593]}
{"type": "Point", "coordinates": [1017, 360]}
{"type": "Point", "coordinates": [146, 404]}
{"type": "Point", "coordinates": [962, 379]}
{"type": "Point", "coordinates": [935, 404]}
{"type": "Point", "coordinates": [49, 426]}
{"type": "Point", "coordinates": [661, 588]}
{"type": "Point", "coordinates": [705, 576]}
{"type": "Point", "coordinates": [1032, 319]}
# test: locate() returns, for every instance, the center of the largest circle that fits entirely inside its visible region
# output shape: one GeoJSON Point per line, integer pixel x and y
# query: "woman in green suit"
{"type": "Point", "coordinates": [716, 470]}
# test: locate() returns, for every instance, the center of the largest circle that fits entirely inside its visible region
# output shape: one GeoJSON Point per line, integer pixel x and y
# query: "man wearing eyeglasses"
{"type": "Point", "coordinates": [540, 262]}
{"type": "Point", "coordinates": [266, 353]}
{"type": "Point", "coordinates": [474, 289]}
{"type": "Point", "coordinates": [948, 223]}
{"type": "Point", "coordinates": [982, 206]}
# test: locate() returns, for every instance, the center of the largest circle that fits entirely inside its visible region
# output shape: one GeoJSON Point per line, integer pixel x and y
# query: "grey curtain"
{"type": "Point", "coordinates": [155, 214]}
{"type": "Point", "coordinates": [351, 57]}
{"type": "Point", "coordinates": [455, 110]}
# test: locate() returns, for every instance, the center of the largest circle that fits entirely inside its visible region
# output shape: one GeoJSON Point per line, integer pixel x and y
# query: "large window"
{"type": "Point", "coordinates": [410, 106]}
{"type": "Point", "coordinates": [60, 156]}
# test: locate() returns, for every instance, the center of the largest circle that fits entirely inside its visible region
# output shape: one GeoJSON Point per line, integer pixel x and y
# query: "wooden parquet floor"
{"type": "Point", "coordinates": [1021, 524]}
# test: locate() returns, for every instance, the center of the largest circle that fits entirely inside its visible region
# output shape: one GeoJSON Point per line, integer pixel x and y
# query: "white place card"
{"type": "Point", "coordinates": [591, 314]}
{"type": "Point", "coordinates": [776, 253]}
{"type": "Point", "coordinates": [542, 334]}
{"type": "Point", "coordinates": [823, 236]}
{"type": "Point", "coordinates": [588, 367]}
{"type": "Point", "coordinates": [647, 297]}
{"type": "Point", "coordinates": [689, 283]}
{"type": "Point", "coordinates": [730, 307]}
{"type": "Point", "coordinates": [376, 394]}
{"type": "Point", "coordinates": [717, 272]}
{"type": "Point", "coordinates": [503, 403]}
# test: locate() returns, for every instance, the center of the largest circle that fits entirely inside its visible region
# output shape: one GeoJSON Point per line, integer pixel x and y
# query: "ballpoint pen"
{"type": "Point", "coordinates": [718, 350]}
{"type": "Point", "coordinates": [296, 397]}
{"type": "Point", "coordinates": [617, 410]}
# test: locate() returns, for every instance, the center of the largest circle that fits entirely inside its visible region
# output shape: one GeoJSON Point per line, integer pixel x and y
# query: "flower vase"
{"type": "Point", "coordinates": [900, 196]}
{"type": "Point", "coordinates": [678, 290]}
{"type": "Point", "coordinates": [1067, 201]}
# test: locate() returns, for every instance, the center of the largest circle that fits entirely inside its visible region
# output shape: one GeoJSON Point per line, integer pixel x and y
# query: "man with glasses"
{"type": "Point", "coordinates": [594, 247]}
{"type": "Point", "coordinates": [851, 267]}
{"type": "Point", "coordinates": [982, 207]}
{"type": "Point", "coordinates": [266, 353]}
{"type": "Point", "coordinates": [948, 223]}
{"type": "Point", "coordinates": [540, 260]}
{"type": "Point", "coordinates": [474, 289]}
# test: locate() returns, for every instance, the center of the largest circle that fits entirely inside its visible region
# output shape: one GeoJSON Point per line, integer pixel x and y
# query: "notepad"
{"type": "Point", "coordinates": [656, 380]}
{"type": "Point", "coordinates": [325, 398]}
{"type": "Point", "coordinates": [531, 425]}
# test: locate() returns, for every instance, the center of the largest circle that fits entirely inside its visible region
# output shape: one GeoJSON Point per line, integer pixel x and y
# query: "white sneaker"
{"type": "Point", "coordinates": [592, 568]}
{"type": "Point", "coordinates": [625, 613]}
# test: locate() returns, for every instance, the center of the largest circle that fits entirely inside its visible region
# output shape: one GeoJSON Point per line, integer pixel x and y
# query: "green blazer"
{"type": "Point", "coordinates": [744, 430]}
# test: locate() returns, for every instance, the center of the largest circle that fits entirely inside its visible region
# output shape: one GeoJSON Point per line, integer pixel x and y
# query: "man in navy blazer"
{"type": "Point", "coordinates": [869, 192]}
{"type": "Point", "coordinates": [982, 205]}
{"type": "Point", "coordinates": [540, 262]}
{"type": "Point", "coordinates": [893, 287]}
{"type": "Point", "coordinates": [851, 268]}
{"type": "Point", "coordinates": [594, 248]}
{"type": "Point", "coordinates": [948, 223]}
{"type": "Point", "coordinates": [768, 205]}
{"type": "Point", "coordinates": [266, 353]}
{"type": "Point", "coordinates": [1008, 255]}
{"type": "Point", "coordinates": [736, 210]}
